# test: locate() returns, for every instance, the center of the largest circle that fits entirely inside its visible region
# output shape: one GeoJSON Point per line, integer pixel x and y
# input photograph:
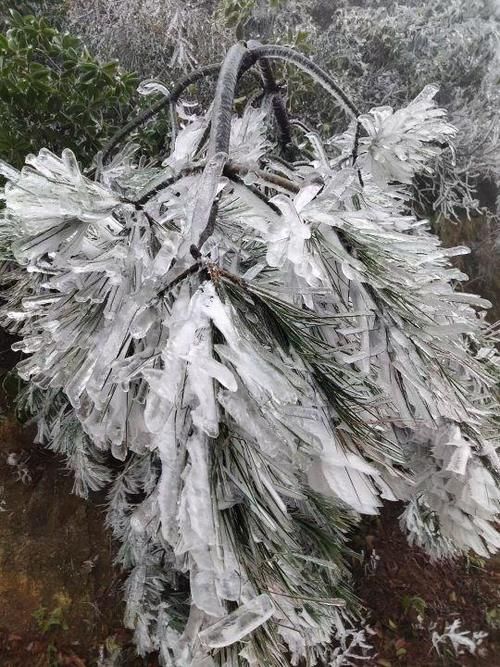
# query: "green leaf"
{"type": "Point", "coordinates": [49, 80]}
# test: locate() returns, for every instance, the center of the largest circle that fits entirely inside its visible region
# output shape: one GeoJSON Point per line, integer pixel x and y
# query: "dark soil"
{"type": "Point", "coordinates": [406, 595]}
{"type": "Point", "coordinates": [60, 596]}
{"type": "Point", "coordinates": [482, 265]}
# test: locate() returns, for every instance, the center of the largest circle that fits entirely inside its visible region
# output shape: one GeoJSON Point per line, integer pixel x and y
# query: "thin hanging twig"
{"type": "Point", "coordinates": [319, 75]}
{"type": "Point", "coordinates": [277, 104]}
{"type": "Point", "coordinates": [303, 63]}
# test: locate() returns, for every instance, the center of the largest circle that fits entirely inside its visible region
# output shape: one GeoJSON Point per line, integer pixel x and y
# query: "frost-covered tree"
{"type": "Point", "coordinates": [152, 37]}
{"type": "Point", "coordinates": [250, 342]}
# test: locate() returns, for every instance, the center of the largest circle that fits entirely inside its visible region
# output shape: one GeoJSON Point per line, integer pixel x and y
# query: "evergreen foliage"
{"type": "Point", "coordinates": [250, 342]}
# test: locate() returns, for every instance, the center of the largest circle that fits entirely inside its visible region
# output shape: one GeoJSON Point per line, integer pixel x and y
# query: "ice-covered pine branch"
{"type": "Point", "coordinates": [248, 353]}
{"type": "Point", "coordinates": [404, 142]}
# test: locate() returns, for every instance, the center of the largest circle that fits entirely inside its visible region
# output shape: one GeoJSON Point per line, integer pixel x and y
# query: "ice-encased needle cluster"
{"type": "Point", "coordinates": [244, 400]}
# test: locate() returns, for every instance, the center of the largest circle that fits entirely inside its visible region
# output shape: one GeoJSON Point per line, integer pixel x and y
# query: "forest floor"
{"type": "Point", "coordinates": [407, 597]}
{"type": "Point", "coordinates": [61, 597]}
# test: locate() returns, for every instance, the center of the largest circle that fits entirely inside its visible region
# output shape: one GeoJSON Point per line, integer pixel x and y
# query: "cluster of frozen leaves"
{"type": "Point", "coordinates": [400, 143]}
{"type": "Point", "coordinates": [389, 50]}
{"type": "Point", "coordinates": [249, 353]}
{"type": "Point", "coordinates": [460, 640]}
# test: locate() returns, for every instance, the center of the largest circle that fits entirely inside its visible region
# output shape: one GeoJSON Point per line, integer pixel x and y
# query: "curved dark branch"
{"type": "Point", "coordinates": [238, 60]}
{"type": "Point", "coordinates": [318, 74]}
{"type": "Point", "coordinates": [141, 119]}
{"type": "Point", "coordinates": [232, 169]}
{"type": "Point", "coordinates": [277, 103]}
{"type": "Point", "coordinates": [321, 77]}
{"type": "Point", "coordinates": [355, 149]}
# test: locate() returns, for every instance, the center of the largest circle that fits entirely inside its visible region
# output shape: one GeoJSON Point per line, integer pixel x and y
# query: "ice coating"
{"type": "Point", "coordinates": [151, 87]}
{"type": "Point", "coordinates": [237, 625]}
{"type": "Point", "coordinates": [264, 356]}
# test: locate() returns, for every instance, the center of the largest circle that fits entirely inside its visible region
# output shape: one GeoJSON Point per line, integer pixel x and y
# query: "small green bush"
{"type": "Point", "coordinates": [54, 94]}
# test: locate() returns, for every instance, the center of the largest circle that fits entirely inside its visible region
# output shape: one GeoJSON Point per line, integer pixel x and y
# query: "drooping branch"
{"type": "Point", "coordinates": [276, 403]}
{"type": "Point", "coordinates": [238, 59]}
{"type": "Point", "coordinates": [318, 74]}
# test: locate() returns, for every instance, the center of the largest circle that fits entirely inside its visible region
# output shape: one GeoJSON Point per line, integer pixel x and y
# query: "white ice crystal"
{"type": "Point", "coordinates": [461, 641]}
{"type": "Point", "coordinates": [354, 648]}
{"type": "Point", "coordinates": [248, 137]}
{"type": "Point", "coordinates": [403, 142]}
{"type": "Point", "coordinates": [239, 623]}
{"type": "Point", "coordinates": [51, 191]}
{"type": "Point", "coordinates": [454, 495]}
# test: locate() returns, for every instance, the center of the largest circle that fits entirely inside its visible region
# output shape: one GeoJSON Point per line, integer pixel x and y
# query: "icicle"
{"type": "Point", "coordinates": [8, 172]}
{"type": "Point", "coordinates": [237, 625]}
{"type": "Point", "coordinates": [207, 191]}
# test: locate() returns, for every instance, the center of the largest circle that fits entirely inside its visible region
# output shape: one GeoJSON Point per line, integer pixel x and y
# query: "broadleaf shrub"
{"type": "Point", "coordinates": [53, 92]}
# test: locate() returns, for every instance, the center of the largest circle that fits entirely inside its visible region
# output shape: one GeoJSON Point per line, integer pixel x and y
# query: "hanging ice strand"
{"type": "Point", "coordinates": [249, 343]}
